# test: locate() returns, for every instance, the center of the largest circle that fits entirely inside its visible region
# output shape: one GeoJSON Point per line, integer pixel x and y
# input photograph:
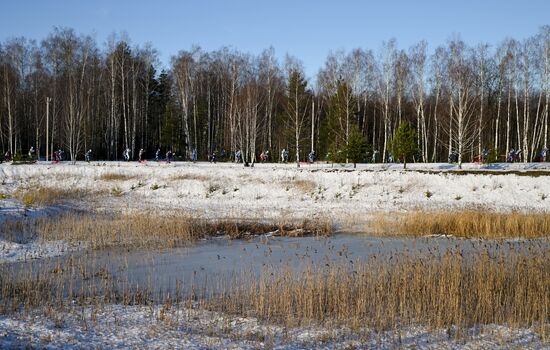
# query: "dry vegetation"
{"type": "Point", "coordinates": [150, 230]}
{"type": "Point", "coordinates": [115, 177]}
{"type": "Point", "coordinates": [444, 292]}
{"type": "Point", "coordinates": [306, 186]}
{"type": "Point", "coordinates": [43, 196]}
{"type": "Point", "coordinates": [468, 224]}
{"type": "Point", "coordinates": [191, 176]}
{"type": "Point", "coordinates": [440, 292]}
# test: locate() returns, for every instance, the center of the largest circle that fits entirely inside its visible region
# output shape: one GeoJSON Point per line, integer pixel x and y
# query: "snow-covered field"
{"type": "Point", "coordinates": [273, 190]}
{"type": "Point", "coordinates": [268, 191]}
{"type": "Point", "coordinates": [154, 327]}
{"type": "Point", "coordinates": [265, 192]}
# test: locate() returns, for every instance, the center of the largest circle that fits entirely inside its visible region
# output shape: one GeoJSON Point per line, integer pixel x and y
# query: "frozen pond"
{"type": "Point", "coordinates": [211, 262]}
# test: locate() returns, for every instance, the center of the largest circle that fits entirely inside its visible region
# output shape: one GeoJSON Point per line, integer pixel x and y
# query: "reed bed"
{"type": "Point", "coordinates": [149, 230]}
{"type": "Point", "coordinates": [448, 291]}
{"type": "Point", "coordinates": [439, 292]}
{"type": "Point", "coordinates": [467, 224]}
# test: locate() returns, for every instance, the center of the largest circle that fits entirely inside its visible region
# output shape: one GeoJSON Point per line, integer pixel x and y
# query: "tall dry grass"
{"type": "Point", "coordinates": [440, 292]}
{"type": "Point", "coordinates": [43, 196]}
{"type": "Point", "coordinates": [450, 292]}
{"type": "Point", "coordinates": [115, 177]}
{"type": "Point", "coordinates": [147, 230]}
{"type": "Point", "coordinates": [467, 223]}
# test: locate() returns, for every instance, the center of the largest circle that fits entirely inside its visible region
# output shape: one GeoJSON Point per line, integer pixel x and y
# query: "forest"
{"type": "Point", "coordinates": [70, 92]}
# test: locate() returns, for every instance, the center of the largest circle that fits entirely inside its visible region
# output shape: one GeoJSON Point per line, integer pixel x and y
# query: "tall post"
{"type": "Point", "coordinates": [47, 125]}
{"type": "Point", "coordinates": [312, 124]}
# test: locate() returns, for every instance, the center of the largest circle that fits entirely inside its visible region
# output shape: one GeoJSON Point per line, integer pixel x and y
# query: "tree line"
{"type": "Point", "coordinates": [68, 92]}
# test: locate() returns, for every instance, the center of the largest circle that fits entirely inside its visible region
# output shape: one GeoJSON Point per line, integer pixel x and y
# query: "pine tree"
{"type": "Point", "coordinates": [404, 143]}
{"type": "Point", "coordinates": [356, 147]}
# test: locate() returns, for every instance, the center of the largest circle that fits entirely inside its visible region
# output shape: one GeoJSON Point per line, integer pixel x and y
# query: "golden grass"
{"type": "Point", "coordinates": [468, 224]}
{"type": "Point", "coordinates": [149, 230]}
{"type": "Point", "coordinates": [115, 177]}
{"type": "Point", "coordinates": [508, 289]}
{"type": "Point", "coordinates": [190, 176]}
{"type": "Point", "coordinates": [304, 185]}
{"type": "Point", "coordinates": [43, 196]}
{"type": "Point", "coordinates": [452, 291]}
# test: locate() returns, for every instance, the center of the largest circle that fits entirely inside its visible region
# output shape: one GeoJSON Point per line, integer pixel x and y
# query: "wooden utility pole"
{"type": "Point", "coordinates": [48, 99]}
{"type": "Point", "coordinates": [312, 125]}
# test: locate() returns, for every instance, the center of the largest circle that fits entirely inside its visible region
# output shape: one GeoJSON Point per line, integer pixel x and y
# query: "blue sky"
{"type": "Point", "coordinates": [308, 30]}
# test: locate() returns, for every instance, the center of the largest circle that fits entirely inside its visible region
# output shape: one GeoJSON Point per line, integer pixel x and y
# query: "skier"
{"type": "Point", "coordinates": [31, 153]}
{"type": "Point", "coordinates": [7, 156]}
{"type": "Point", "coordinates": [542, 155]}
{"type": "Point", "coordinates": [157, 155]}
{"type": "Point", "coordinates": [374, 155]}
{"type": "Point", "coordinates": [141, 153]}
{"type": "Point", "coordinates": [88, 155]}
{"type": "Point", "coordinates": [284, 155]}
{"type": "Point", "coordinates": [194, 155]}
{"type": "Point", "coordinates": [238, 156]}
{"type": "Point", "coordinates": [311, 157]}
{"type": "Point", "coordinates": [484, 155]}
{"type": "Point", "coordinates": [510, 156]}
{"type": "Point", "coordinates": [453, 157]}
{"type": "Point", "coordinates": [168, 156]}
{"type": "Point", "coordinates": [262, 157]}
{"type": "Point", "coordinates": [213, 157]}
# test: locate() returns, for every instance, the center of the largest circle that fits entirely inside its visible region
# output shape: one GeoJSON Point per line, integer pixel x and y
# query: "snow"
{"type": "Point", "coordinates": [157, 327]}
{"type": "Point", "coordinates": [264, 192]}
{"type": "Point", "coordinates": [268, 191]}
{"type": "Point", "coordinates": [12, 252]}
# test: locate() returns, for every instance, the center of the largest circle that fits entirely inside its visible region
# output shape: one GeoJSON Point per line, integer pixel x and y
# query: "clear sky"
{"type": "Point", "coordinates": [308, 30]}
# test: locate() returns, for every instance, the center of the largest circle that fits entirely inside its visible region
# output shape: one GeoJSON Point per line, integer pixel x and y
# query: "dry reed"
{"type": "Point", "coordinates": [440, 292]}
{"type": "Point", "coordinates": [115, 177]}
{"type": "Point", "coordinates": [450, 292]}
{"type": "Point", "coordinates": [149, 230]}
{"type": "Point", "coordinates": [468, 224]}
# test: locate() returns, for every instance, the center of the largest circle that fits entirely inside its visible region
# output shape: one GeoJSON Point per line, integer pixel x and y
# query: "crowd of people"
{"type": "Point", "coordinates": [511, 156]}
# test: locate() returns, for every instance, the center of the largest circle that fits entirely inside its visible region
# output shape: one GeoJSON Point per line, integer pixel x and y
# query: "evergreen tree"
{"type": "Point", "coordinates": [356, 147]}
{"type": "Point", "coordinates": [404, 143]}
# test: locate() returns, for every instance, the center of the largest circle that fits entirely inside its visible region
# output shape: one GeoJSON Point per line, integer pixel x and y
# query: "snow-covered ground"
{"type": "Point", "coordinates": [274, 190]}
{"type": "Point", "coordinates": [140, 327]}
{"type": "Point", "coordinates": [268, 191]}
